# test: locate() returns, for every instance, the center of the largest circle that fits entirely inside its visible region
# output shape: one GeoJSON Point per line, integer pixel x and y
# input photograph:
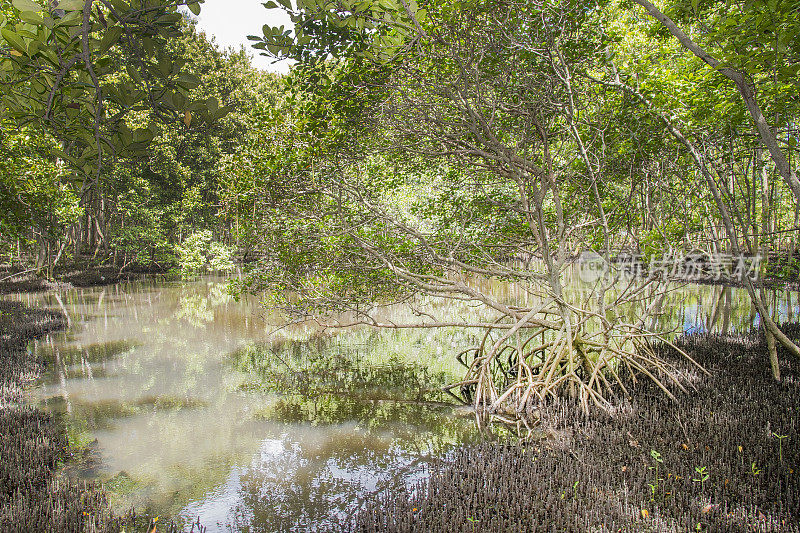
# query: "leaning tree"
{"type": "Point", "coordinates": [440, 146]}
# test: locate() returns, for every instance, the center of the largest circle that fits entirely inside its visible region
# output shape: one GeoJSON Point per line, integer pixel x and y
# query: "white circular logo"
{"type": "Point", "coordinates": [591, 267]}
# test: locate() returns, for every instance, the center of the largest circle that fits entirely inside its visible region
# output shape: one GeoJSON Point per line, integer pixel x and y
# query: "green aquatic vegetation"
{"type": "Point", "coordinates": [122, 483]}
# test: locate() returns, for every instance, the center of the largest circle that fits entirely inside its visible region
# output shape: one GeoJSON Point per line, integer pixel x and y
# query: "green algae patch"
{"type": "Point", "coordinates": [89, 353]}
{"type": "Point", "coordinates": [170, 403]}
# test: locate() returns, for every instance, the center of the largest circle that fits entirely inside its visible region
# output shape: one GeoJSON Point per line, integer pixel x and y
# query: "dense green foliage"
{"type": "Point", "coordinates": [258, 176]}
{"type": "Point", "coordinates": [621, 73]}
{"type": "Point", "coordinates": [33, 192]}
{"type": "Point", "coordinates": [164, 130]}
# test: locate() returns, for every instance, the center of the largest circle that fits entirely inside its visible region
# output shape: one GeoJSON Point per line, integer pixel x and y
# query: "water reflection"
{"type": "Point", "coordinates": [183, 403]}
{"type": "Point", "coordinates": [170, 394]}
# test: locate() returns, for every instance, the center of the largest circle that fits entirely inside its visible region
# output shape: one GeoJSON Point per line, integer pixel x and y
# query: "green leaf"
{"type": "Point", "coordinates": [285, 3]}
{"type": "Point", "coordinates": [179, 100]}
{"type": "Point", "coordinates": [71, 5]}
{"type": "Point", "coordinates": [51, 57]}
{"type": "Point", "coordinates": [133, 73]}
{"type": "Point", "coordinates": [27, 5]}
{"type": "Point", "coordinates": [194, 8]}
{"type": "Point", "coordinates": [110, 38]}
{"type": "Point", "coordinates": [791, 71]}
{"type": "Point", "coordinates": [164, 66]}
{"type": "Point", "coordinates": [190, 81]}
{"type": "Point", "coordinates": [270, 5]}
{"type": "Point", "coordinates": [31, 18]}
{"type": "Point", "coordinates": [212, 105]}
{"type": "Point", "coordinates": [170, 18]}
{"type": "Point", "coordinates": [14, 40]}
{"type": "Point", "coordinates": [221, 112]}
{"type": "Point", "coordinates": [149, 47]}
{"type": "Point", "coordinates": [58, 152]}
{"type": "Point", "coordinates": [125, 136]}
{"type": "Point", "coordinates": [120, 5]}
{"type": "Point", "coordinates": [142, 135]}
{"type": "Point", "coordinates": [73, 18]}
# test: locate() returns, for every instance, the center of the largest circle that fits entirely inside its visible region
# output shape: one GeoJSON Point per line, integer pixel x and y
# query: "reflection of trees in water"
{"type": "Point", "coordinates": [691, 307]}
{"type": "Point", "coordinates": [197, 303]}
{"type": "Point", "coordinates": [412, 424]}
{"type": "Point", "coordinates": [196, 310]}
{"type": "Point", "coordinates": [384, 421]}
{"type": "Point", "coordinates": [698, 308]}
{"type": "Point", "coordinates": [293, 492]}
{"type": "Point", "coordinates": [323, 365]}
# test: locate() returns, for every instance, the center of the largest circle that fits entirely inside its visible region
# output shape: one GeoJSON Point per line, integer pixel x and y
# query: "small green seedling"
{"type": "Point", "coordinates": [780, 444]}
{"type": "Point", "coordinates": [702, 476]}
{"type": "Point", "coordinates": [754, 469]}
{"type": "Point", "coordinates": [654, 485]}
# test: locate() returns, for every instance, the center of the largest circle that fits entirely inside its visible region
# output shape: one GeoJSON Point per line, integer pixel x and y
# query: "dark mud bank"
{"type": "Point", "coordinates": [724, 457]}
{"type": "Point", "coordinates": [18, 280]}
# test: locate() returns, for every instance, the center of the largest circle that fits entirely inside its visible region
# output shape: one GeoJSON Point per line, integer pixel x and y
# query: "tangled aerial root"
{"type": "Point", "coordinates": [580, 354]}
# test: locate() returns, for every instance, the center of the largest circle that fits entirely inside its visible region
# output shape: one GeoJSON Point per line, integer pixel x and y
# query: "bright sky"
{"type": "Point", "coordinates": [231, 21]}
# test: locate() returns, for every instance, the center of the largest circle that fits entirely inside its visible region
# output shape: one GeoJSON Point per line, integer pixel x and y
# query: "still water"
{"type": "Point", "coordinates": [190, 404]}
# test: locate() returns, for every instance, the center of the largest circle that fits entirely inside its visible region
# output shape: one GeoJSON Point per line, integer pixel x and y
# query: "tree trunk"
{"type": "Point", "coordinates": [765, 132]}
{"type": "Point", "coordinates": [769, 324]}
{"type": "Point", "coordinates": [773, 355]}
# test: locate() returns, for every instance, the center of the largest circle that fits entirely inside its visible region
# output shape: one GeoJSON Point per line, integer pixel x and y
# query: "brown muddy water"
{"type": "Point", "coordinates": [190, 404]}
